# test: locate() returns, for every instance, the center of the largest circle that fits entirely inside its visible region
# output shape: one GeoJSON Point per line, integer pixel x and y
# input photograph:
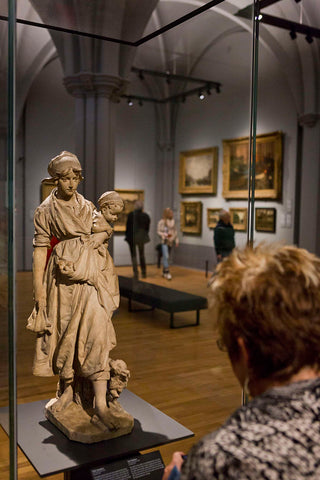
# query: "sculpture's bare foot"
{"type": "Point", "coordinates": [108, 418]}
{"type": "Point", "coordinates": [63, 401]}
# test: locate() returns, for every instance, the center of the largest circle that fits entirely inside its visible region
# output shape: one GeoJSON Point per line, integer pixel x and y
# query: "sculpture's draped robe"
{"type": "Point", "coordinates": [82, 293]}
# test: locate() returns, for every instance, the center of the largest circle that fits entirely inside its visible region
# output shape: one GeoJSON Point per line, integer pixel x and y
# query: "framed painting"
{"type": "Point", "coordinates": [239, 218]}
{"type": "Point", "coordinates": [198, 171]}
{"type": "Point", "coordinates": [268, 168]}
{"type": "Point", "coordinates": [212, 217]}
{"type": "Point", "coordinates": [47, 185]}
{"type": "Point", "coordinates": [129, 197]}
{"type": "Point", "coordinates": [191, 217]}
{"type": "Point", "coordinates": [265, 219]}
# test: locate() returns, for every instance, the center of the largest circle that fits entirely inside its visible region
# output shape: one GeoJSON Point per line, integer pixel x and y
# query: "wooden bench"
{"type": "Point", "coordinates": [163, 298]}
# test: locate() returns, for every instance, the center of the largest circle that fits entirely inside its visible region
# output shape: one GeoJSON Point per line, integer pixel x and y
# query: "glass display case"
{"type": "Point", "coordinates": [200, 106]}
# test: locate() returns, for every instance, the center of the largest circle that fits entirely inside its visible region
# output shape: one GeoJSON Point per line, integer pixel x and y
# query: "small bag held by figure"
{"type": "Point", "coordinates": [38, 321]}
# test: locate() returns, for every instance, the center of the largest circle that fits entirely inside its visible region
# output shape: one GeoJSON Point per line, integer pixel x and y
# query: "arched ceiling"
{"type": "Point", "coordinates": [216, 45]}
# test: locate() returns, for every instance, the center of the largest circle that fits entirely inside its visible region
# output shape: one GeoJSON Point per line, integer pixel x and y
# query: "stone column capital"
{"type": "Point", "coordinates": [309, 119]}
{"type": "Point", "coordinates": [96, 85]}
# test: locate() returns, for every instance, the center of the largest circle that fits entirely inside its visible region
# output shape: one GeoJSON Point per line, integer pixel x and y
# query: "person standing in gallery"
{"type": "Point", "coordinates": [223, 236]}
{"type": "Point", "coordinates": [169, 236]}
{"type": "Point", "coordinates": [137, 234]}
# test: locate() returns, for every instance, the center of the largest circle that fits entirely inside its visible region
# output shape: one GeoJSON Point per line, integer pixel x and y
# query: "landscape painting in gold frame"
{"type": "Point", "coordinates": [239, 218]}
{"type": "Point", "coordinates": [265, 219]}
{"type": "Point", "coordinates": [129, 198]}
{"type": "Point", "coordinates": [191, 217]}
{"type": "Point", "coordinates": [268, 169]}
{"type": "Point", "coordinates": [213, 217]}
{"type": "Point", "coordinates": [198, 171]}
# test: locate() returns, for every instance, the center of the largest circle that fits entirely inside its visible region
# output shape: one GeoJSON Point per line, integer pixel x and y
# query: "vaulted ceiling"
{"type": "Point", "coordinates": [214, 45]}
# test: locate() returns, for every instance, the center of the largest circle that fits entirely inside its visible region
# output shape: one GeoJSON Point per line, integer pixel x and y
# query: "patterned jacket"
{"type": "Point", "coordinates": [276, 436]}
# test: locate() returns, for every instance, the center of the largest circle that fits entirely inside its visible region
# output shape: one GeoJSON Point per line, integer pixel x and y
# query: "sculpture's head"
{"type": "Point", "coordinates": [111, 204]}
{"type": "Point", "coordinates": [63, 164]}
{"type": "Point", "coordinates": [66, 170]}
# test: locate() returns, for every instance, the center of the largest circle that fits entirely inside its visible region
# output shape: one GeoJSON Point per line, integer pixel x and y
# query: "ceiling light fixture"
{"type": "Point", "coordinates": [309, 38]}
{"type": "Point", "coordinates": [130, 102]}
{"type": "Point", "coordinates": [293, 34]}
{"type": "Point", "coordinates": [201, 95]}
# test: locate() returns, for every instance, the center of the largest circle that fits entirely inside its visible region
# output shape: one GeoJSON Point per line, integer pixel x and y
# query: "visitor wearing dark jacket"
{"type": "Point", "coordinates": [223, 236]}
{"type": "Point", "coordinates": [137, 234]}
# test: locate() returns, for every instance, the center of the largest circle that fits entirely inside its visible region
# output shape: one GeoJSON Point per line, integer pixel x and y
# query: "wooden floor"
{"type": "Point", "coordinates": [179, 371]}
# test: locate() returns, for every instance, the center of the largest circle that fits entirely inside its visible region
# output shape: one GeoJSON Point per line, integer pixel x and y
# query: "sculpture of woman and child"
{"type": "Point", "coordinates": [75, 295]}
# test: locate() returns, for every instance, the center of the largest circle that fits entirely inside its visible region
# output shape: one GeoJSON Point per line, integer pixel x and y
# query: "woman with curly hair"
{"type": "Point", "coordinates": [265, 303]}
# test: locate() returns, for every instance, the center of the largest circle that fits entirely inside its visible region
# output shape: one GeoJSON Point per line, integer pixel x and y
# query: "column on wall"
{"type": "Point", "coordinates": [166, 184]}
{"type": "Point", "coordinates": [96, 95]}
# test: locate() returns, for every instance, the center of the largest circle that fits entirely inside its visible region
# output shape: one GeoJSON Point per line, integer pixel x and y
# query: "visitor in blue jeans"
{"type": "Point", "coordinates": [169, 236]}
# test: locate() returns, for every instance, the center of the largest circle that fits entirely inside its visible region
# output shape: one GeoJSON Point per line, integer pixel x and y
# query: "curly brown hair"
{"type": "Point", "coordinates": [270, 296]}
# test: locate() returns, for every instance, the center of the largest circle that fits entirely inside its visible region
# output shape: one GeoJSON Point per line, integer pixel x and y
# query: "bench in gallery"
{"type": "Point", "coordinates": [163, 298]}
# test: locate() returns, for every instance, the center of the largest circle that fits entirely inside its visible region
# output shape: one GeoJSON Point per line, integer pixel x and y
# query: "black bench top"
{"type": "Point", "coordinates": [160, 297]}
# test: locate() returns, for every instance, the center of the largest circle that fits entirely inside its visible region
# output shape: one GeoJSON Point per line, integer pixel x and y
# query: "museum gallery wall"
{"type": "Point", "coordinates": [199, 126]}
{"type": "Point", "coordinates": [136, 166]}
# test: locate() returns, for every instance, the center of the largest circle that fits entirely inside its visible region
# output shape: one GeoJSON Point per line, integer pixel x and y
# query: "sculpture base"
{"type": "Point", "coordinates": [84, 426]}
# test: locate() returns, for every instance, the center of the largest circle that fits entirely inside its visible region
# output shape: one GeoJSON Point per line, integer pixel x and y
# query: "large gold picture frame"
{"type": "Point", "coordinates": [268, 174]}
{"type": "Point", "coordinates": [129, 197]}
{"type": "Point", "coordinates": [191, 217]}
{"type": "Point", "coordinates": [198, 171]}
{"type": "Point", "coordinates": [239, 218]}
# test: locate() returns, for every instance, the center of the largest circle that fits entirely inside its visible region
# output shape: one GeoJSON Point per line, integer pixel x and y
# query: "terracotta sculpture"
{"type": "Point", "coordinates": [75, 293]}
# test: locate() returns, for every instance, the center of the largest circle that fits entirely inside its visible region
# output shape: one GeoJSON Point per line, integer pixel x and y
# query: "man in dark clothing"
{"type": "Point", "coordinates": [137, 234]}
{"type": "Point", "coordinates": [223, 236]}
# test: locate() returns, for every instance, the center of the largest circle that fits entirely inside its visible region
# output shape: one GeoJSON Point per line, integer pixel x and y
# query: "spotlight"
{"type": "Point", "coordinates": [130, 102]}
{"type": "Point", "coordinates": [309, 38]}
{"type": "Point", "coordinates": [218, 89]}
{"type": "Point", "coordinates": [201, 95]}
{"type": "Point", "coordinates": [293, 34]}
{"type": "Point", "coordinates": [208, 90]}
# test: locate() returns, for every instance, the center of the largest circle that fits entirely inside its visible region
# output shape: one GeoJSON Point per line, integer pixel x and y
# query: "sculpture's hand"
{"type": "Point", "coordinates": [40, 301]}
{"type": "Point", "coordinates": [97, 239]}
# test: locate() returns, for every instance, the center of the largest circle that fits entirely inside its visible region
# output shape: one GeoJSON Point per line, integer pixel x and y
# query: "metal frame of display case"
{"type": "Point", "coordinates": [12, 21]}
